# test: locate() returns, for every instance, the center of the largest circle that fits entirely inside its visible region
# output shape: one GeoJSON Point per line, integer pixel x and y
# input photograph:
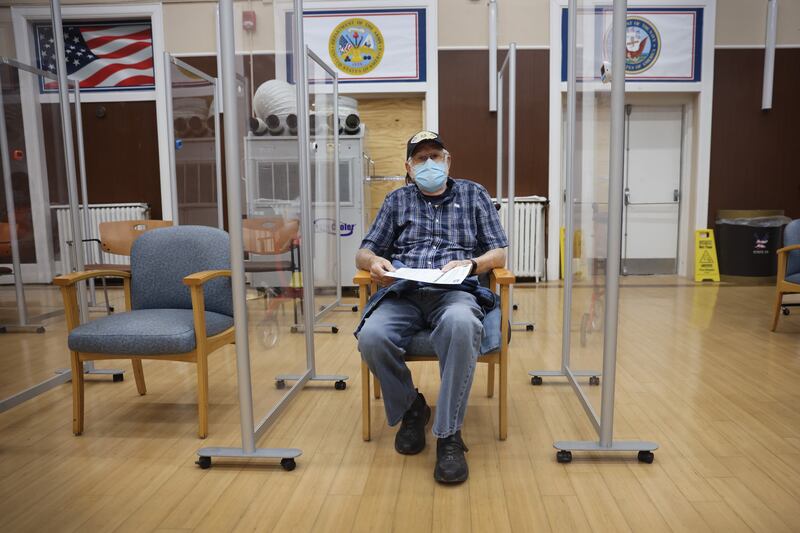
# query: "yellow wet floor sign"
{"type": "Point", "coordinates": [706, 267]}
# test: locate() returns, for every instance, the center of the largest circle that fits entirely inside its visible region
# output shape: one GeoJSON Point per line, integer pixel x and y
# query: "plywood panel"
{"type": "Point", "coordinates": [390, 123]}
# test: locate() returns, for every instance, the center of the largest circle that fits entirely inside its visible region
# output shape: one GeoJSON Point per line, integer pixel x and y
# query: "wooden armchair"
{"type": "Point", "coordinates": [788, 279]}
{"type": "Point", "coordinates": [163, 320]}
{"type": "Point", "coordinates": [498, 276]}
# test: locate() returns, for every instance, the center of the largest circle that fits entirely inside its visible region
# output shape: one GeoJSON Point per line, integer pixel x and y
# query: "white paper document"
{"type": "Point", "coordinates": [453, 276]}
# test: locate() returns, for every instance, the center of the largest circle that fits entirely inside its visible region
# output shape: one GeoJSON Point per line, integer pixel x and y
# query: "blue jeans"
{"type": "Point", "coordinates": [454, 319]}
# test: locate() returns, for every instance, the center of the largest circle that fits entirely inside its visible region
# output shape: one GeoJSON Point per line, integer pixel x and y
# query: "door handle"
{"type": "Point", "coordinates": [627, 196]}
{"type": "Point", "coordinates": [676, 195]}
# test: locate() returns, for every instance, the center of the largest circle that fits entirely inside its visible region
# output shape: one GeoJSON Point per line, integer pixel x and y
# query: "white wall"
{"type": "Point", "coordinates": [189, 25]}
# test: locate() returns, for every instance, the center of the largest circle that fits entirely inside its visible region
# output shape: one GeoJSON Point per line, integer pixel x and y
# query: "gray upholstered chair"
{"type": "Point", "coordinates": [176, 310]}
{"type": "Point", "coordinates": [788, 281]}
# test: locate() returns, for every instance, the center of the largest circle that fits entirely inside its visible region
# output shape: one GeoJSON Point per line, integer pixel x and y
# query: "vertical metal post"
{"type": "Point", "coordinates": [512, 156]}
{"type": "Point", "coordinates": [69, 150]}
{"type": "Point", "coordinates": [217, 157]}
{"type": "Point", "coordinates": [228, 55]}
{"type": "Point", "coordinates": [499, 186]}
{"type": "Point", "coordinates": [569, 223]}
{"type": "Point", "coordinates": [493, 85]}
{"type": "Point", "coordinates": [614, 245]}
{"type": "Point", "coordinates": [87, 224]}
{"type": "Point", "coordinates": [306, 217]}
{"type": "Point", "coordinates": [336, 178]}
{"type": "Point", "coordinates": [8, 188]}
{"type": "Point", "coordinates": [173, 167]}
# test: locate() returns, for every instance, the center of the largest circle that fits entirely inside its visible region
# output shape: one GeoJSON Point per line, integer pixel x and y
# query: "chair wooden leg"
{"type": "Point", "coordinates": [202, 395]}
{"type": "Point", "coordinates": [490, 381]}
{"type": "Point", "coordinates": [77, 393]}
{"type": "Point", "coordinates": [366, 418]}
{"type": "Point", "coordinates": [777, 314]}
{"type": "Point", "coordinates": [377, 388]}
{"type": "Point", "coordinates": [138, 374]}
{"type": "Point", "coordinates": [503, 401]}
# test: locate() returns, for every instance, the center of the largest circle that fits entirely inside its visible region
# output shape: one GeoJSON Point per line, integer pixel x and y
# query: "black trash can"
{"type": "Point", "coordinates": [747, 245]}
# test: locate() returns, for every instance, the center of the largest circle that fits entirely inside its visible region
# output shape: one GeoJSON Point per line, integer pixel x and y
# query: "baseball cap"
{"type": "Point", "coordinates": [422, 137]}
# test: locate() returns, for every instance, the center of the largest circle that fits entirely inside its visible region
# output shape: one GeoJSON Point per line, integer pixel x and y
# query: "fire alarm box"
{"type": "Point", "coordinates": [249, 20]}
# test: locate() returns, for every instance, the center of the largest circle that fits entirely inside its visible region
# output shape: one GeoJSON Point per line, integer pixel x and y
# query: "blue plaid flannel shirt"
{"type": "Point", "coordinates": [415, 231]}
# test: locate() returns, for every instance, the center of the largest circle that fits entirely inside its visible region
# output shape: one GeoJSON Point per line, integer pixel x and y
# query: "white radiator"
{"type": "Point", "coordinates": [527, 242]}
{"type": "Point", "coordinates": [97, 213]}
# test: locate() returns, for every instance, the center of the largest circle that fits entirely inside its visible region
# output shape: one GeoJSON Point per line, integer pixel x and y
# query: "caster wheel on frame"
{"type": "Point", "coordinates": [288, 464]}
{"type": "Point", "coordinates": [340, 385]}
{"type": "Point", "coordinates": [564, 456]}
{"type": "Point", "coordinates": [118, 377]}
{"type": "Point", "coordinates": [594, 380]}
{"type": "Point", "coordinates": [646, 457]}
{"type": "Point", "coordinates": [785, 311]}
{"type": "Point", "coordinates": [334, 330]}
{"type": "Point", "coordinates": [515, 307]}
{"type": "Point", "coordinates": [203, 462]}
{"type": "Point", "coordinates": [355, 309]}
{"type": "Point", "coordinates": [280, 384]}
{"type": "Point", "coordinates": [529, 327]}
{"type": "Point", "coordinates": [536, 380]}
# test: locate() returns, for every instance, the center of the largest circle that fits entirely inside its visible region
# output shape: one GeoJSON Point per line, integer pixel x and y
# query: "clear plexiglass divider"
{"type": "Point", "coordinates": [26, 236]}
{"type": "Point", "coordinates": [271, 221]}
{"type": "Point", "coordinates": [593, 220]}
{"type": "Point", "coordinates": [506, 163]}
{"type": "Point", "coordinates": [196, 149]}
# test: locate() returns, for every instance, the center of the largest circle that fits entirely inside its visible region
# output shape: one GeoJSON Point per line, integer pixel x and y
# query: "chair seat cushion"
{"type": "Point", "coordinates": [794, 278]}
{"type": "Point", "coordinates": [144, 332]}
{"type": "Point", "coordinates": [490, 340]}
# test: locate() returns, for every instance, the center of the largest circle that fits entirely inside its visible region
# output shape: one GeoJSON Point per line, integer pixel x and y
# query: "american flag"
{"type": "Point", "coordinates": [101, 56]}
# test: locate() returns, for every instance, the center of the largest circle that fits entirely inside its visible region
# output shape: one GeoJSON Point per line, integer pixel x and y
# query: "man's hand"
{"type": "Point", "coordinates": [378, 269]}
{"type": "Point", "coordinates": [457, 263]}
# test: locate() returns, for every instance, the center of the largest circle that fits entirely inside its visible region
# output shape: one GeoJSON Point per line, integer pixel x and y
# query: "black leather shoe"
{"type": "Point", "coordinates": [451, 465]}
{"type": "Point", "coordinates": [410, 439]}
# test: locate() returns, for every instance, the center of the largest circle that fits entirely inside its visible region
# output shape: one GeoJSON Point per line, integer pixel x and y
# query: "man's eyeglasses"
{"type": "Point", "coordinates": [437, 157]}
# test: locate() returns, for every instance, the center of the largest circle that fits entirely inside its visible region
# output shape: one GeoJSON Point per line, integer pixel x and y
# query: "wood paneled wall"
{"type": "Point", "coordinates": [755, 161]}
{"type": "Point", "coordinates": [469, 129]}
{"type": "Point", "coordinates": [121, 150]}
{"type": "Point", "coordinates": [755, 154]}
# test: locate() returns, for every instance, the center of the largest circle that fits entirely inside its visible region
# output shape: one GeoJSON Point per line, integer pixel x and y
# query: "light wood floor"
{"type": "Point", "coordinates": [699, 372]}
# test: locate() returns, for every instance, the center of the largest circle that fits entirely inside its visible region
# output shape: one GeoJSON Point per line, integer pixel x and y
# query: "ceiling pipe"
{"type": "Point", "coordinates": [769, 54]}
{"type": "Point", "coordinates": [492, 55]}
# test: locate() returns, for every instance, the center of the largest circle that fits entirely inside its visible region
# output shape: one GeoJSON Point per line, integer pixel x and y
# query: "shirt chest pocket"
{"type": "Point", "coordinates": [463, 229]}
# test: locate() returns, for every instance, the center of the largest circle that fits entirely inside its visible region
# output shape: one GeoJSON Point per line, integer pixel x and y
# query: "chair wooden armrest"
{"type": "Point", "coordinates": [362, 278]}
{"type": "Point", "coordinates": [787, 249]}
{"type": "Point", "coordinates": [205, 344]}
{"type": "Point", "coordinates": [503, 276]}
{"type": "Point", "coordinates": [69, 292]}
{"type": "Point", "coordinates": [199, 278]}
{"type": "Point", "coordinates": [65, 280]}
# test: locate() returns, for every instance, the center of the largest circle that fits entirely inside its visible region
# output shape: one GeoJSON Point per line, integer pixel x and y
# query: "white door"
{"type": "Point", "coordinates": [653, 163]}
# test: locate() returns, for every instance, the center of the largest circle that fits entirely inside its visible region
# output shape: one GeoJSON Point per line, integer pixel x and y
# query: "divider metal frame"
{"type": "Point", "coordinates": [170, 60]}
{"type": "Point", "coordinates": [336, 304]}
{"type": "Point", "coordinates": [603, 424]}
{"type": "Point", "coordinates": [509, 68]}
{"type": "Point", "coordinates": [22, 325]}
{"type": "Point", "coordinates": [62, 375]}
{"type": "Point", "coordinates": [250, 433]}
